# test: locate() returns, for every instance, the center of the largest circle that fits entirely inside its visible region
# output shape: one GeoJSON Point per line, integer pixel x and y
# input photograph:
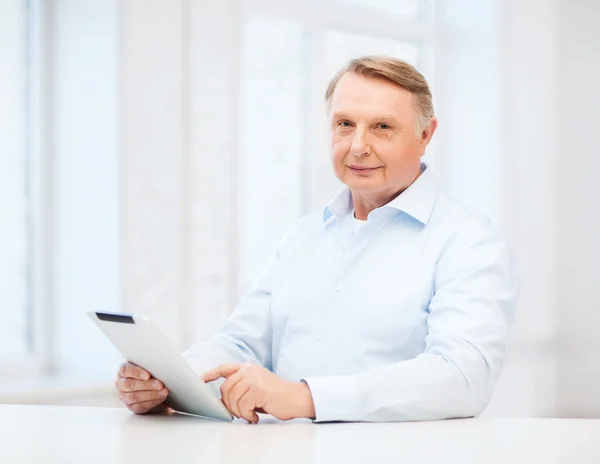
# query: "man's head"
{"type": "Point", "coordinates": [381, 117]}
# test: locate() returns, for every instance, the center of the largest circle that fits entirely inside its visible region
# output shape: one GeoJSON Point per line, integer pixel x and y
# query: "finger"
{"type": "Point", "coordinates": [145, 406]}
{"type": "Point", "coordinates": [141, 396]}
{"type": "Point", "coordinates": [227, 386]}
{"type": "Point", "coordinates": [128, 369]}
{"type": "Point", "coordinates": [236, 392]}
{"type": "Point", "coordinates": [224, 370]}
{"type": "Point", "coordinates": [247, 405]}
{"type": "Point", "coordinates": [128, 384]}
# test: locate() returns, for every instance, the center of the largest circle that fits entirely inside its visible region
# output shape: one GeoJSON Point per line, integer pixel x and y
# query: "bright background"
{"type": "Point", "coordinates": [152, 152]}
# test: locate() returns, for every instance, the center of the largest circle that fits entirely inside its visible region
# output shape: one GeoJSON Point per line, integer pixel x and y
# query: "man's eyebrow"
{"type": "Point", "coordinates": [386, 118]}
{"type": "Point", "coordinates": [340, 115]}
{"type": "Point", "coordinates": [381, 118]}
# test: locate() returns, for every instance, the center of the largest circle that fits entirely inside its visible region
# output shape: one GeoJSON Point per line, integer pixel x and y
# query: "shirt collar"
{"type": "Point", "coordinates": [416, 201]}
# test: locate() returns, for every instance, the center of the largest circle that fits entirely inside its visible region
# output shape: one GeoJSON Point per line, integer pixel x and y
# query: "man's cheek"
{"type": "Point", "coordinates": [339, 167]}
{"type": "Point", "coordinates": [339, 150]}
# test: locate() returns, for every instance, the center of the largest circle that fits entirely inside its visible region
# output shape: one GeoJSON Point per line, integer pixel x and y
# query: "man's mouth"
{"type": "Point", "coordinates": [362, 169]}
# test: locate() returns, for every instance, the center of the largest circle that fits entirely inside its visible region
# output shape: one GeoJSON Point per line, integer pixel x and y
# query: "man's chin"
{"type": "Point", "coordinates": [364, 185]}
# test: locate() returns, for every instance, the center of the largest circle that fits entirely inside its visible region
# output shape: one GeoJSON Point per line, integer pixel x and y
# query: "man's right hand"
{"type": "Point", "coordinates": [139, 391]}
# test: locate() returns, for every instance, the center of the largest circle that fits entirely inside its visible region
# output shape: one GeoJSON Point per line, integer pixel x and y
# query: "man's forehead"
{"type": "Point", "coordinates": [371, 105]}
{"type": "Point", "coordinates": [356, 90]}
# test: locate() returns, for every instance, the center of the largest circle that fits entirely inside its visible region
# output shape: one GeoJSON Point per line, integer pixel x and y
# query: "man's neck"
{"type": "Point", "coordinates": [365, 203]}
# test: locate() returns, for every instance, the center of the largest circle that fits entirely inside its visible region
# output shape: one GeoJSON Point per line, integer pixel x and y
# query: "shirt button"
{"type": "Point", "coordinates": [319, 336]}
{"type": "Point", "coordinates": [339, 287]}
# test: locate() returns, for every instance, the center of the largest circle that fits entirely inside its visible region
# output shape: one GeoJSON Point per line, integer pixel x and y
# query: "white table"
{"type": "Point", "coordinates": [47, 434]}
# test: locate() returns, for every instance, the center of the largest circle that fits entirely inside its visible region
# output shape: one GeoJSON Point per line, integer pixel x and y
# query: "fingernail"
{"type": "Point", "coordinates": [163, 392]}
{"type": "Point", "coordinates": [156, 385]}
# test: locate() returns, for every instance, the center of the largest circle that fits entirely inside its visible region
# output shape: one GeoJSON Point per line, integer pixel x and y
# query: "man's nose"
{"type": "Point", "coordinates": [360, 146]}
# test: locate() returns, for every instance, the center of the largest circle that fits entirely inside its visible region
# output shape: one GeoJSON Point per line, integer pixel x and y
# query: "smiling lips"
{"type": "Point", "coordinates": [362, 170]}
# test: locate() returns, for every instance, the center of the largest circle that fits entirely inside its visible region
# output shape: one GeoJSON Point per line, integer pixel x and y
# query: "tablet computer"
{"type": "Point", "coordinates": [144, 345]}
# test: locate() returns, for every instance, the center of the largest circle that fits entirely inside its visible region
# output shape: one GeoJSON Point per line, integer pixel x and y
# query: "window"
{"type": "Point", "coordinates": [15, 232]}
{"type": "Point", "coordinates": [287, 56]}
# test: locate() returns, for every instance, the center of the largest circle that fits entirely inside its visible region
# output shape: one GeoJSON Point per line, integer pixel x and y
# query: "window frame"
{"type": "Point", "coordinates": [39, 357]}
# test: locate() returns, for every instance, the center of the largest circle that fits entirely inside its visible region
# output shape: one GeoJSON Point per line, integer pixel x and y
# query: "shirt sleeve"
{"type": "Point", "coordinates": [470, 314]}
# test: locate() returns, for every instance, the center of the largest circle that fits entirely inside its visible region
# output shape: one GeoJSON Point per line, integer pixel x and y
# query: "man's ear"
{"type": "Point", "coordinates": [427, 133]}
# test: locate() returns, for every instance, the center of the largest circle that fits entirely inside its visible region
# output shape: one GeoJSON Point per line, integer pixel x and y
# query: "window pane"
{"type": "Point", "coordinates": [270, 181]}
{"type": "Point", "coordinates": [342, 46]}
{"type": "Point", "coordinates": [405, 9]}
{"type": "Point", "coordinates": [13, 200]}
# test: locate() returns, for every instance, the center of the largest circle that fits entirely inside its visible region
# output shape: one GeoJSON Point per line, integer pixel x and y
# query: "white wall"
{"type": "Point", "coordinates": [528, 152]}
{"type": "Point", "coordinates": [550, 101]}
{"type": "Point", "coordinates": [152, 89]}
{"type": "Point", "coordinates": [575, 196]}
{"type": "Point", "coordinates": [178, 98]}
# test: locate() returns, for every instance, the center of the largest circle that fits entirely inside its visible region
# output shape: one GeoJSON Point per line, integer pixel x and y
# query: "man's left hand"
{"type": "Point", "coordinates": [251, 388]}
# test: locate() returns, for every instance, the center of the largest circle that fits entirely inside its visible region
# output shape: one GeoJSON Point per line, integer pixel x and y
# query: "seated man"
{"type": "Point", "coordinates": [393, 303]}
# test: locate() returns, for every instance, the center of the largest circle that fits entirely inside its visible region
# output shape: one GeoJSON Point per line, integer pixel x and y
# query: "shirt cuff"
{"type": "Point", "coordinates": [336, 398]}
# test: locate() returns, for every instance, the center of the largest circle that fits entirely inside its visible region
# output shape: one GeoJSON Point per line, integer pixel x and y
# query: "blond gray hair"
{"type": "Point", "coordinates": [400, 73]}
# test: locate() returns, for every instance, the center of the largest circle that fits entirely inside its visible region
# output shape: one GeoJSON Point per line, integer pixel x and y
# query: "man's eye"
{"type": "Point", "coordinates": [344, 124]}
{"type": "Point", "coordinates": [383, 126]}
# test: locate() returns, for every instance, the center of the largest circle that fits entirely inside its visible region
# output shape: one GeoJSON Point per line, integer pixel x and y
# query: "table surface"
{"type": "Point", "coordinates": [48, 434]}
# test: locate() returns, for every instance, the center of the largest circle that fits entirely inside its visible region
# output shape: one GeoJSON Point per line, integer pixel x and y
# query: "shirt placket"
{"type": "Point", "coordinates": [351, 248]}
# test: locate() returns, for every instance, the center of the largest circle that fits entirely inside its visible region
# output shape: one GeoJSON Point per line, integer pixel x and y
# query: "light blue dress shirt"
{"type": "Point", "coordinates": [404, 318]}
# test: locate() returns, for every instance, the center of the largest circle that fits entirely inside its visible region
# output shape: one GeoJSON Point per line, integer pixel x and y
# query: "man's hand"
{"type": "Point", "coordinates": [139, 391]}
{"type": "Point", "coordinates": [251, 388]}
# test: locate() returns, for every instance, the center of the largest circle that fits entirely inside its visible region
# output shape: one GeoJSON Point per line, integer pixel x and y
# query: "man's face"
{"type": "Point", "coordinates": [374, 149]}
